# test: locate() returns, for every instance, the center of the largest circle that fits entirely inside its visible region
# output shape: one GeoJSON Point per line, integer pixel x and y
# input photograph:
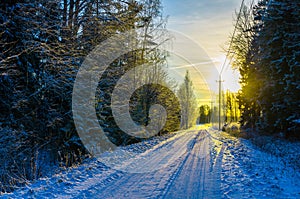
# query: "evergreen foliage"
{"type": "Point", "coordinates": [267, 55]}
{"type": "Point", "coordinates": [43, 43]}
{"type": "Point", "coordinates": [188, 102]}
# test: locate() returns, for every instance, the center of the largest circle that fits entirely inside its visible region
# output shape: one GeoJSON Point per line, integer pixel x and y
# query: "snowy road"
{"type": "Point", "coordinates": [188, 171]}
{"type": "Point", "coordinates": [188, 164]}
{"type": "Point", "coordinates": [191, 175]}
{"type": "Point", "coordinates": [182, 166]}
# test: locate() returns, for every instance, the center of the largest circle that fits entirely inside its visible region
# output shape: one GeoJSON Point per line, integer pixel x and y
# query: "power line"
{"type": "Point", "coordinates": [220, 98]}
{"type": "Point", "coordinates": [231, 41]}
{"type": "Point", "coordinates": [229, 51]}
{"type": "Point", "coordinates": [235, 29]}
{"type": "Point", "coordinates": [220, 75]}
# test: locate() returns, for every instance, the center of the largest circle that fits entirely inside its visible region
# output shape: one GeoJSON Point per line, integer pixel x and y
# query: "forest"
{"type": "Point", "coordinates": [266, 51]}
{"type": "Point", "coordinates": [44, 42]}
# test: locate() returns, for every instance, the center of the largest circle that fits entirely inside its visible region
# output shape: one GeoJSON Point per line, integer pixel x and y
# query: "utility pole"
{"type": "Point", "coordinates": [220, 98]}
{"type": "Point", "coordinates": [225, 62]}
{"type": "Point", "coordinates": [235, 111]}
{"type": "Point", "coordinates": [211, 112]}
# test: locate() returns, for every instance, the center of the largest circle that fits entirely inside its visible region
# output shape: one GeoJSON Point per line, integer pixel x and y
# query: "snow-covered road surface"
{"type": "Point", "coordinates": [189, 164]}
{"type": "Point", "coordinates": [190, 175]}
{"type": "Point", "coordinates": [180, 167]}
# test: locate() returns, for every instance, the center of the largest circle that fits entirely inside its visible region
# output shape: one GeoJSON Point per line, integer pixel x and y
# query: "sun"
{"type": "Point", "coordinates": [230, 76]}
{"type": "Point", "coordinates": [231, 80]}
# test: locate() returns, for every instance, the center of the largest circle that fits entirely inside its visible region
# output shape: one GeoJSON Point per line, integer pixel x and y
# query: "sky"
{"type": "Point", "coordinates": [209, 24]}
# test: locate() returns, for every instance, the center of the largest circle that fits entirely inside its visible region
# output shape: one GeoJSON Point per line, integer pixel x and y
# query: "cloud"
{"type": "Point", "coordinates": [199, 9]}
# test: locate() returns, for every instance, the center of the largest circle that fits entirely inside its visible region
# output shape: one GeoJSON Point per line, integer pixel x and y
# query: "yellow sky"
{"type": "Point", "coordinates": [208, 24]}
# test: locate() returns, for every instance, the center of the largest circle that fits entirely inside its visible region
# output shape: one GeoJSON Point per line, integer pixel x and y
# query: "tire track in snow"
{"type": "Point", "coordinates": [103, 180]}
{"type": "Point", "coordinates": [190, 182]}
{"type": "Point", "coordinates": [177, 172]}
{"type": "Point", "coordinates": [184, 162]}
{"type": "Point", "coordinates": [165, 153]}
{"type": "Point", "coordinates": [190, 176]}
{"type": "Point", "coordinates": [149, 185]}
{"type": "Point", "coordinates": [198, 176]}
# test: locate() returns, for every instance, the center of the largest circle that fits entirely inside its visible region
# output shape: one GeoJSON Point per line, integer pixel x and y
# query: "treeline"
{"type": "Point", "coordinates": [267, 53]}
{"type": "Point", "coordinates": [43, 44]}
{"type": "Point", "coordinates": [208, 113]}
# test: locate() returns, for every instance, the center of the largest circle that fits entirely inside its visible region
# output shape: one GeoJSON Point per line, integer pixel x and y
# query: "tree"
{"type": "Point", "coordinates": [232, 112]}
{"type": "Point", "coordinates": [245, 48]}
{"type": "Point", "coordinates": [145, 16]}
{"type": "Point", "coordinates": [265, 49]}
{"type": "Point", "coordinates": [204, 114]}
{"type": "Point", "coordinates": [43, 44]}
{"type": "Point", "coordinates": [188, 103]}
{"type": "Point", "coordinates": [34, 85]}
{"type": "Point", "coordinates": [278, 48]}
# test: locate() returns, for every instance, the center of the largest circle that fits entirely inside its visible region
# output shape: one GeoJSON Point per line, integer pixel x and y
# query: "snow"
{"type": "Point", "coordinates": [297, 121]}
{"type": "Point", "coordinates": [252, 173]}
{"type": "Point", "coordinates": [196, 163]}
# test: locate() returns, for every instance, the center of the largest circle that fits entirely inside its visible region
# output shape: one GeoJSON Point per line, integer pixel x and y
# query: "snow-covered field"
{"type": "Point", "coordinates": [188, 164]}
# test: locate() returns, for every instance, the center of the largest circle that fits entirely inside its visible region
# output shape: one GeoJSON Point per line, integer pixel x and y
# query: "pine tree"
{"type": "Point", "coordinates": [278, 48]}
{"type": "Point", "coordinates": [204, 114]}
{"type": "Point", "coordinates": [188, 103]}
{"type": "Point", "coordinates": [269, 98]}
{"type": "Point", "coordinates": [245, 49]}
{"type": "Point", "coordinates": [43, 44]}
